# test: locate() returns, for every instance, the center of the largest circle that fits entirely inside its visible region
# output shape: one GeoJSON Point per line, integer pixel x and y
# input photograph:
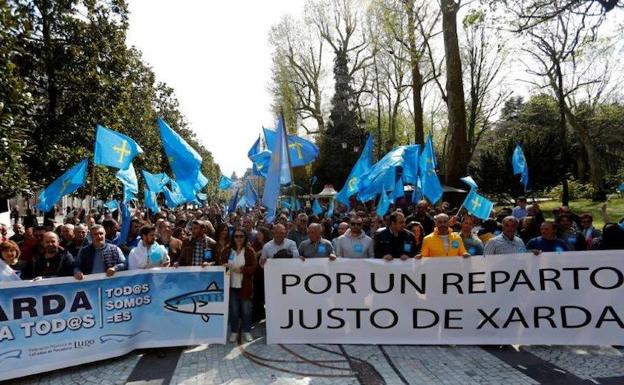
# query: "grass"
{"type": "Point", "coordinates": [615, 209]}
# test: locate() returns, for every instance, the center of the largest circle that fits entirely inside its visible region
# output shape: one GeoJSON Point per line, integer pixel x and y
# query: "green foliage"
{"type": "Point", "coordinates": [70, 70]}
{"type": "Point", "coordinates": [334, 163]}
{"type": "Point", "coordinates": [576, 190]}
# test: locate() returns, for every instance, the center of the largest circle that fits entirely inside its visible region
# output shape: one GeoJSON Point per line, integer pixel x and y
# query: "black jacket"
{"type": "Point", "coordinates": [60, 265]}
{"type": "Point", "coordinates": [387, 243]}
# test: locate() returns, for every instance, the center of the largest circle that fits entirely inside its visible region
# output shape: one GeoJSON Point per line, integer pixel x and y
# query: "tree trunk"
{"type": "Point", "coordinates": [596, 171]}
{"type": "Point", "coordinates": [457, 158]}
{"type": "Point", "coordinates": [565, 193]}
{"type": "Point", "coordinates": [419, 134]}
{"type": "Point", "coordinates": [379, 138]}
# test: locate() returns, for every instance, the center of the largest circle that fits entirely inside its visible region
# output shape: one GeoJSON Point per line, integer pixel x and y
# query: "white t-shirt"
{"type": "Point", "coordinates": [236, 260]}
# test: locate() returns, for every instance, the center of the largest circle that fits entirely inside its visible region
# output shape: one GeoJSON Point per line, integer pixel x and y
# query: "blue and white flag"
{"type": "Point", "coordinates": [384, 204]}
{"type": "Point", "coordinates": [233, 202]}
{"type": "Point", "coordinates": [126, 222]}
{"type": "Point", "coordinates": [130, 183]}
{"type": "Point", "coordinates": [112, 205]}
{"type": "Point", "coordinates": [519, 164]}
{"type": "Point", "coordinates": [225, 182]}
{"type": "Point", "coordinates": [66, 184]}
{"type": "Point", "coordinates": [183, 159]}
{"type": "Point", "coordinates": [279, 172]}
{"type": "Point", "coordinates": [361, 167]}
{"type": "Point", "coordinates": [250, 195]}
{"type": "Point", "coordinates": [155, 182]}
{"type": "Point", "coordinates": [316, 208]}
{"type": "Point", "coordinates": [330, 209]}
{"type": "Point", "coordinates": [469, 181]}
{"type": "Point", "coordinates": [431, 187]}
{"type": "Point", "coordinates": [301, 151]}
{"type": "Point", "coordinates": [114, 149]}
{"type": "Point", "coordinates": [150, 201]}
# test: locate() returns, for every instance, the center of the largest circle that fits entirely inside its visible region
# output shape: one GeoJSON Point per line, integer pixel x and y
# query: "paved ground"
{"type": "Point", "coordinates": [258, 363]}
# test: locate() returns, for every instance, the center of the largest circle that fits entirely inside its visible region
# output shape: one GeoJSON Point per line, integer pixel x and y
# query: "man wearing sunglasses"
{"type": "Point", "coordinates": [354, 243]}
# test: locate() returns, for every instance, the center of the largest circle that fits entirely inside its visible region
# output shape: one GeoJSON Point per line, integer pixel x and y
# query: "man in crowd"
{"type": "Point", "coordinates": [32, 245]}
{"type": "Point", "coordinates": [472, 243]}
{"type": "Point", "coordinates": [79, 241]}
{"type": "Point", "coordinates": [99, 257]}
{"type": "Point", "coordinates": [52, 262]}
{"type": "Point", "coordinates": [354, 243]}
{"type": "Point", "coordinates": [279, 246]}
{"type": "Point", "coordinates": [422, 216]}
{"type": "Point", "coordinates": [148, 253]}
{"type": "Point", "coordinates": [299, 233]}
{"type": "Point", "coordinates": [520, 211]}
{"type": "Point", "coordinates": [133, 236]}
{"type": "Point", "coordinates": [507, 242]}
{"type": "Point", "coordinates": [394, 241]}
{"type": "Point", "coordinates": [443, 242]}
{"type": "Point", "coordinates": [316, 246]}
{"type": "Point", "coordinates": [171, 243]}
{"type": "Point", "coordinates": [248, 227]}
{"type": "Point", "coordinates": [588, 231]}
{"type": "Point", "coordinates": [67, 235]}
{"type": "Point", "coordinates": [573, 239]}
{"type": "Point", "coordinates": [547, 242]}
{"type": "Point", "coordinates": [18, 234]}
{"type": "Point", "coordinates": [197, 251]}
{"type": "Point", "coordinates": [110, 228]}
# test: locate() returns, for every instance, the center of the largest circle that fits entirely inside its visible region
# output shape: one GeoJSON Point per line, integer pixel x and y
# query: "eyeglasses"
{"type": "Point", "coordinates": [239, 236]}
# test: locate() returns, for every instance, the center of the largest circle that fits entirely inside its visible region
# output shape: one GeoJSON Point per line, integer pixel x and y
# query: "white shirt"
{"type": "Point", "coordinates": [7, 274]}
{"type": "Point", "coordinates": [140, 256]}
{"type": "Point", "coordinates": [236, 260]}
{"type": "Point", "coordinates": [270, 248]}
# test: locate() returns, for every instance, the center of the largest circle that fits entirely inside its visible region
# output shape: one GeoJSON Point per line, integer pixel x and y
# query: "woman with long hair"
{"type": "Point", "coordinates": [241, 263]}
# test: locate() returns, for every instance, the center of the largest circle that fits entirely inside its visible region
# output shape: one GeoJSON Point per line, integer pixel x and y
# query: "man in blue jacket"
{"type": "Point", "coordinates": [99, 257]}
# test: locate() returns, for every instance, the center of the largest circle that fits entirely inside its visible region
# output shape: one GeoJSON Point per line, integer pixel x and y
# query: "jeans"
{"type": "Point", "coordinates": [239, 308]}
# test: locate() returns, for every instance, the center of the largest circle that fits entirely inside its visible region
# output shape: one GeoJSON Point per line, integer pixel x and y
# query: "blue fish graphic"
{"type": "Point", "coordinates": [120, 337]}
{"type": "Point", "coordinates": [16, 353]}
{"type": "Point", "coordinates": [204, 302]}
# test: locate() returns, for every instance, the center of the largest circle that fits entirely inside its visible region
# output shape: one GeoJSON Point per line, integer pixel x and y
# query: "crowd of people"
{"type": "Point", "coordinates": [243, 242]}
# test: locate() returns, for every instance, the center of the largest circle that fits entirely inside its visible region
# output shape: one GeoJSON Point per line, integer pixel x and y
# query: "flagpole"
{"type": "Point", "coordinates": [92, 188]}
{"type": "Point", "coordinates": [292, 174]}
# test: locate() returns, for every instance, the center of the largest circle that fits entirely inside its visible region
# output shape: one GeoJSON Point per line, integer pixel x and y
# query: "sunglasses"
{"type": "Point", "coordinates": [355, 224]}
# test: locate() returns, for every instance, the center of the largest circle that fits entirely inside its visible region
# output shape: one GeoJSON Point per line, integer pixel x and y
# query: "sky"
{"type": "Point", "coordinates": [216, 56]}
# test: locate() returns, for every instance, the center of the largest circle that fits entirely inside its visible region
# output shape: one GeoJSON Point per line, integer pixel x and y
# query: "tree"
{"type": "Point", "coordinates": [298, 74]}
{"type": "Point", "coordinates": [557, 48]}
{"type": "Point", "coordinates": [15, 107]}
{"type": "Point", "coordinates": [337, 24]}
{"type": "Point", "coordinates": [484, 56]}
{"type": "Point", "coordinates": [457, 154]}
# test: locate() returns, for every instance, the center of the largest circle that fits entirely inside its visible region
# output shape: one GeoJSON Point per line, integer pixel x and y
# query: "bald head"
{"type": "Point", "coordinates": [279, 233]}
{"type": "Point", "coordinates": [50, 243]}
{"type": "Point", "coordinates": [314, 232]}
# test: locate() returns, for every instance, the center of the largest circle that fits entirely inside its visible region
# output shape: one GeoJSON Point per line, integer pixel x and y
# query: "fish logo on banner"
{"type": "Point", "coordinates": [203, 302]}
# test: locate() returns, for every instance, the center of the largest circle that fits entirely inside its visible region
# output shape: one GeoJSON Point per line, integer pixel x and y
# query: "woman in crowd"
{"type": "Point", "coordinates": [222, 237]}
{"type": "Point", "coordinates": [9, 252]}
{"type": "Point", "coordinates": [241, 262]}
{"type": "Point", "coordinates": [419, 233]}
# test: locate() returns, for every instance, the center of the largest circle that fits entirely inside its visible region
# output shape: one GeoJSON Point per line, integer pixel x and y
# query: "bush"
{"type": "Point", "coordinates": [576, 189]}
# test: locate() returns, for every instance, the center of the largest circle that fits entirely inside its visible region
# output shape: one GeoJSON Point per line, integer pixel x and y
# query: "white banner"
{"type": "Point", "coordinates": [555, 298]}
